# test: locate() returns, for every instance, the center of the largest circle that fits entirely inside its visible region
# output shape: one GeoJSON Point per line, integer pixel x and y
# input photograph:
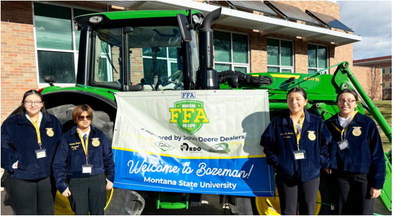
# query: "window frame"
{"type": "Point", "coordinates": [280, 66]}
{"type": "Point", "coordinates": [233, 64]}
{"type": "Point", "coordinates": [168, 60]}
{"type": "Point", "coordinates": [316, 69]}
{"type": "Point", "coordinates": [73, 51]}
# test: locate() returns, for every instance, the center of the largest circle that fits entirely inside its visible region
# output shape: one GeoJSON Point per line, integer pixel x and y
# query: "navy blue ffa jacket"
{"type": "Point", "coordinates": [19, 143]}
{"type": "Point", "coordinates": [70, 157]}
{"type": "Point", "coordinates": [364, 153]}
{"type": "Point", "coordinates": [279, 142]}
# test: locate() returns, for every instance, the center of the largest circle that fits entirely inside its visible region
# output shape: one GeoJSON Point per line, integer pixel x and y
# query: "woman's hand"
{"type": "Point", "coordinates": [109, 184]}
{"type": "Point", "coordinates": [66, 193]}
{"type": "Point", "coordinates": [328, 171]}
{"type": "Point", "coordinates": [375, 193]}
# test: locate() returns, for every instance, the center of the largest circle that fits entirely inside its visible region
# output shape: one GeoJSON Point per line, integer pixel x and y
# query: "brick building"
{"type": "Point", "coordinates": [378, 71]}
{"type": "Point", "coordinates": [259, 36]}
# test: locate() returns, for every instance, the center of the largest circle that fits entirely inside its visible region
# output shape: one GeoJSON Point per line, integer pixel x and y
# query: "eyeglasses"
{"type": "Point", "coordinates": [346, 101]}
{"type": "Point", "coordinates": [29, 102]}
{"type": "Point", "coordinates": [81, 118]}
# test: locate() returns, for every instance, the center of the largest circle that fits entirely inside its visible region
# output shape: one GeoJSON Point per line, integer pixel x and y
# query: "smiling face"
{"type": "Point", "coordinates": [346, 103]}
{"type": "Point", "coordinates": [296, 102]}
{"type": "Point", "coordinates": [33, 104]}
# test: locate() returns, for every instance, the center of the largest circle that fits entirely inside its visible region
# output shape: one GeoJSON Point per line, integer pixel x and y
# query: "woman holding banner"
{"type": "Point", "coordinates": [83, 165]}
{"type": "Point", "coordinates": [296, 145]}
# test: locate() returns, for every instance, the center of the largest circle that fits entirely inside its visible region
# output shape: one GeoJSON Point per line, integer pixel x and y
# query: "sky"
{"type": "Point", "coordinates": [372, 21]}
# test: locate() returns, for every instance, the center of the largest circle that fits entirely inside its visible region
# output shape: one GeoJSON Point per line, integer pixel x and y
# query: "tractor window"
{"type": "Point", "coordinates": [155, 57]}
{"type": "Point", "coordinates": [107, 61]}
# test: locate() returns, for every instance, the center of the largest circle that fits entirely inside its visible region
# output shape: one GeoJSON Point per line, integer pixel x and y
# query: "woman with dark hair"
{"type": "Point", "coordinates": [296, 145]}
{"type": "Point", "coordinates": [84, 166]}
{"type": "Point", "coordinates": [28, 143]}
{"type": "Point", "coordinates": [360, 172]}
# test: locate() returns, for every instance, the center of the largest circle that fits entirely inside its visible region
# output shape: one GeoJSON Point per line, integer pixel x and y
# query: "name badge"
{"type": "Point", "coordinates": [343, 144]}
{"type": "Point", "coordinates": [300, 155]}
{"type": "Point", "coordinates": [87, 168]}
{"type": "Point", "coordinates": [41, 153]}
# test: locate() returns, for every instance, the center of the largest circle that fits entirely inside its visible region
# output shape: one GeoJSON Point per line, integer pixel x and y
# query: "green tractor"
{"type": "Point", "coordinates": [153, 51]}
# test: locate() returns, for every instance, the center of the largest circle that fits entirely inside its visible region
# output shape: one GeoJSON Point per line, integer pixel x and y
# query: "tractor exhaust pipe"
{"type": "Point", "coordinates": [207, 77]}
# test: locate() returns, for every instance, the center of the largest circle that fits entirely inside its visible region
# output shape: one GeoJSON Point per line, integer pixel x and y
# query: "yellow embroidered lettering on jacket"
{"type": "Point", "coordinates": [74, 146]}
{"type": "Point", "coordinates": [286, 134]}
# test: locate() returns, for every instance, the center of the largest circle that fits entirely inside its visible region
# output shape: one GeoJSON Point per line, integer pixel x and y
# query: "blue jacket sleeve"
{"type": "Point", "coordinates": [8, 153]}
{"type": "Point", "coordinates": [377, 169]}
{"type": "Point", "coordinates": [268, 141]}
{"type": "Point", "coordinates": [326, 155]}
{"type": "Point", "coordinates": [108, 159]}
{"type": "Point", "coordinates": [60, 165]}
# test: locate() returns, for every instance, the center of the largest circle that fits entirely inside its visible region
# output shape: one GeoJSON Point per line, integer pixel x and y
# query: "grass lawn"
{"type": "Point", "coordinates": [385, 106]}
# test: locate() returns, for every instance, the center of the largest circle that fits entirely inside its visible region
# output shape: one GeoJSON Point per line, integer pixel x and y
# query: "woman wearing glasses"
{"type": "Point", "coordinates": [296, 145]}
{"type": "Point", "coordinates": [28, 144]}
{"type": "Point", "coordinates": [360, 170]}
{"type": "Point", "coordinates": [83, 165]}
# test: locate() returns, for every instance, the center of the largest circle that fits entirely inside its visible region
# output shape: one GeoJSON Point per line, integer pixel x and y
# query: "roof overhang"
{"type": "Point", "coordinates": [241, 19]}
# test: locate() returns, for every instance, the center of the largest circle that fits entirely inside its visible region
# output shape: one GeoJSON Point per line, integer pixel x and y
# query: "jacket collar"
{"type": "Point", "coordinates": [358, 118]}
{"type": "Point", "coordinates": [73, 130]}
{"type": "Point", "coordinates": [22, 120]}
{"type": "Point", "coordinates": [288, 121]}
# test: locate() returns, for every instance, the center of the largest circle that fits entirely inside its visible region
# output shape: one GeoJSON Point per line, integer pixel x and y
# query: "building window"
{"type": "Point", "coordinates": [279, 56]}
{"type": "Point", "coordinates": [231, 51]}
{"type": "Point", "coordinates": [318, 58]}
{"type": "Point", "coordinates": [159, 62]}
{"type": "Point", "coordinates": [383, 70]}
{"type": "Point", "coordinates": [57, 42]}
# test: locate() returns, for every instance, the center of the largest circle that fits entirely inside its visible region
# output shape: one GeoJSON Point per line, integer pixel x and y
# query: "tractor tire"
{"type": "Point", "coordinates": [101, 119]}
{"type": "Point", "coordinates": [124, 202]}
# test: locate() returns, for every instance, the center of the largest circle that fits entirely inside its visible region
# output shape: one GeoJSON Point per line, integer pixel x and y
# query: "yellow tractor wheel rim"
{"type": "Point", "coordinates": [271, 205]}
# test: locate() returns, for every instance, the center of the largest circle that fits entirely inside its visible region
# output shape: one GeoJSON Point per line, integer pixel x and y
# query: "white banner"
{"type": "Point", "coordinates": [205, 136]}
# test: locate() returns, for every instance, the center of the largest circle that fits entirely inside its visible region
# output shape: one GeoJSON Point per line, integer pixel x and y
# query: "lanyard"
{"type": "Point", "coordinates": [298, 131]}
{"type": "Point", "coordinates": [35, 124]}
{"type": "Point", "coordinates": [344, 131]}
{"type": "Point", "coordinates": [84, 145]}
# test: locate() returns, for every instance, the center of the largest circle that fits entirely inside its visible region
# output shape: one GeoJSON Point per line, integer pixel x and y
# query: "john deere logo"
{"type": "Point", "coordinates": [189, 115]}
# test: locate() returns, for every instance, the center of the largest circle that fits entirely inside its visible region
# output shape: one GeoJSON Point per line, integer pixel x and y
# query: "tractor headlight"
{"type": "Point", "coordinates": [197, 19]}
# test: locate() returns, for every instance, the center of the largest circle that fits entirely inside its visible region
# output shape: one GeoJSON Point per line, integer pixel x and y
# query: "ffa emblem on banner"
{"type": "Point", "coordinates": [311, 135]}
{"type": "Point", "coordinates": [357, 131]}
{"type": "Point", "coordinates": [50, 132]}
{"type": "Point", "coordinates": [189, 115]}
{"type": "Point", "coordinates": [95, 142]}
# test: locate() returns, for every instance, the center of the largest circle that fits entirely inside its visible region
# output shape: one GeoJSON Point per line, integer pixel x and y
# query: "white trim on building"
{"type": "Point", "coordinates": [235, 18]}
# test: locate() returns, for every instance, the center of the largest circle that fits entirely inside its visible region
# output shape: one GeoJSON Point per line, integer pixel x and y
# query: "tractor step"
{"type": "Point", "coordinates": [172, 201]}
